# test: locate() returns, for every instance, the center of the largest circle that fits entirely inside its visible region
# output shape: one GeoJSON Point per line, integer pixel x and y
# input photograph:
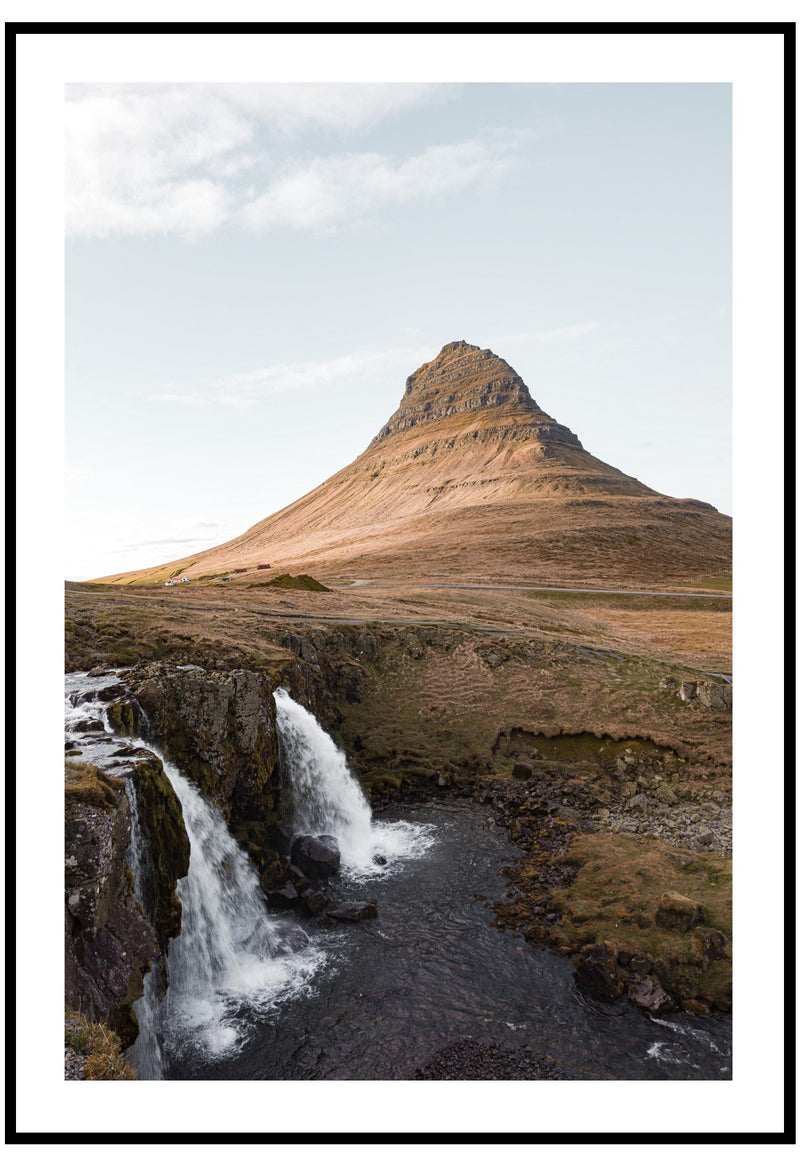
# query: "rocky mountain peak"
{"type": "Point", "coordinates": [472, 385]}
{"type": "Point", "coordinates": [459, 366]}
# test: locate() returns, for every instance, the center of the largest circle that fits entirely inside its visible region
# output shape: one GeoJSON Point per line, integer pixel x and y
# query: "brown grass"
{"type": "Point", "coordinates": [613, 897]}
{"type": "Point", "coordinates": [90, 785]}
{"type": "Point", "coordinates": [619, 884]}
{"type": "Point", "coordinates": [563, 668]}
{"type": "Point", "coordinates": [104, 1057]}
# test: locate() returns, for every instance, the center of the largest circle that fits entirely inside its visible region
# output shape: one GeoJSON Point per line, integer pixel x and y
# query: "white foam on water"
{"type": "Point", "coordinates": [231, 957]}
{"type": "Point", "coordinates": [328, 800]}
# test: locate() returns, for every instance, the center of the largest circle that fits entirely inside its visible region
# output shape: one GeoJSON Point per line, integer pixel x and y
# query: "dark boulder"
{"type": "Point", "coordinates": [316, 856]}
{"type": "Point", "coordinates": [596, 972]}
{"type": "Point", "coordinates": [115, 691]}
{"type": "Point", "coordinates": [710, 945]}
{"type": "Point", "coordinates": [353, 910]}
{"type": "Point", "coordinates": [286, 897]}
{"type": "Point", "coordinates": [88, 725]}
{"type": "Point", "coordinates": [522, 771]}
{"type": "Point", "coordinates": [313, 901]}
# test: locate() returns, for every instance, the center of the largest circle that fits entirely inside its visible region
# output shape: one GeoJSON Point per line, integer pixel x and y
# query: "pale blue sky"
{"type": "Point", "coordinates": [252, 272]}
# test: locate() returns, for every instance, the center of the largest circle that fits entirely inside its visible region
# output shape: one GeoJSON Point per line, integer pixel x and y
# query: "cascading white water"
{"type": "Point", "coordinates": [146, 1055]}
{"type": "Point", "coordinates": [232, 962]}
{"type": "Point", "coordinates": [230, 953]}
{"type": "Point", "coordinates": [326, 798]}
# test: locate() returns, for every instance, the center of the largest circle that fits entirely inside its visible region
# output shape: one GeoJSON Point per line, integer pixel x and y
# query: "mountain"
{"type": "Point", "coordinates": [469, 480]}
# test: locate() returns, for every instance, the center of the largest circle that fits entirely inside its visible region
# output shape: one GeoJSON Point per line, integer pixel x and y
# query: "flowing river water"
{"type": "Point", "coordinates": [258, 996]}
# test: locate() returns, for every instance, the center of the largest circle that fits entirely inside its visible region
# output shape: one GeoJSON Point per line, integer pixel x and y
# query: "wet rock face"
{"type": "Point", "coordinates": [329, 668]}
{"type": "Point", "coordinates": [161, 821]}
{"type": "Point", "coordinates": [596, 972]}
{"type": "Point", "coordinates": [109, 945]}
{"type": "Point", "coordinates": [219, 728]}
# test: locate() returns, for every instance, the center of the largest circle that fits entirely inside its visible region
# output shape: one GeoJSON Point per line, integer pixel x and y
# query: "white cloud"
{"type": "Point", "coordinates": [245, 389]}
{"type": "Point", "coordinates": [343, 107]}
{"type": "Point", "coordinates": [308, 373]}
{"type": "Point", "coordinates": [311, 373]}
{"type": "Point", "coordinates": [137, 163]}
{"type": "Point", "coordinates": [157, 159]}
{"type": "Point", "coordinates": [288, 108]}
{"type": "Point", "coordinates": [326, 191]}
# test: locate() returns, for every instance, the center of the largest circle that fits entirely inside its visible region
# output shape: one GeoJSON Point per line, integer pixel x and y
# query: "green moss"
{"type": "Point", "coordinates": [122, 717]}
{"type": "Point", "coordinates": [161, 818]}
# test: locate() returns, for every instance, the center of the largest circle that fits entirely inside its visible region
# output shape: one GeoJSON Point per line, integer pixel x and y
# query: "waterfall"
{"type": "Point", "coordinates": [327, 799]}
{"type": "Point", "coordinates": [232, 963]}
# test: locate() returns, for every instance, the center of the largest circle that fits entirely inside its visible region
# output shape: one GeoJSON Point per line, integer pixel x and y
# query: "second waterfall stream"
{"type": "Point", "coordinates": [326, 798]}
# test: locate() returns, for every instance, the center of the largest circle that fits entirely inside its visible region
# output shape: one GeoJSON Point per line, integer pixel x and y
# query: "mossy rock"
{"type": "Point", "coordinates": [161, 820]}
{"type": "Point", "coordinates": [122, 717]}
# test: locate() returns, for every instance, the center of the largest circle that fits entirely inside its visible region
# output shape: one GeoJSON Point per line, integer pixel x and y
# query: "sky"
{"type": "Point", "coordinates": [253, 270]}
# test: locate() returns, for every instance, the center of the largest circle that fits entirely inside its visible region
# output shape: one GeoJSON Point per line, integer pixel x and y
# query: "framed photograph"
{"type": "Point", "coordinates": [406, 380]}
